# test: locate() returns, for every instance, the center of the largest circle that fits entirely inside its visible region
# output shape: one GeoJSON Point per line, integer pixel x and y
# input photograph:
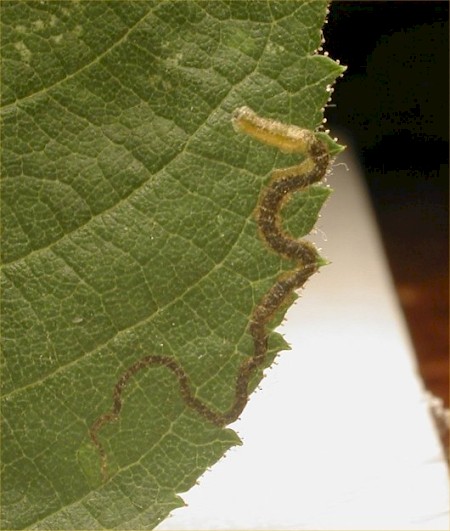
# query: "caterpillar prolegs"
{"type": "Point", "coordinates": [284, 182]}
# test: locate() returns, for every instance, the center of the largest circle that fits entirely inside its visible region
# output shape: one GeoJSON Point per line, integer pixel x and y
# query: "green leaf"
{"type": "Point", "coordinates": [128, 230]}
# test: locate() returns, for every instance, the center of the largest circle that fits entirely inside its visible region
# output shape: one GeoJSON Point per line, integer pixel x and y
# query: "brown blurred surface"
{"type": "Point", "coordinates": [420, 269]}
{"type": "Point", "coordinates": [418, 256]}
{"type": "Point", "coordinates": [427, 315]}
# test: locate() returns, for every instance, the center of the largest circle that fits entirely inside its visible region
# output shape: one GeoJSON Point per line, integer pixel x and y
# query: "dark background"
{"type": "Point", "coordinates": [393, 103]}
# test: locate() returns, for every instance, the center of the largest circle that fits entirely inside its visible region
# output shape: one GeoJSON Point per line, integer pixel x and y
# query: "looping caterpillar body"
{"type": "Point", "coordinates": [284, 182]}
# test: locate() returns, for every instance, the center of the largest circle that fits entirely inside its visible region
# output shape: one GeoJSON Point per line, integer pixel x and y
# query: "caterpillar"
{"type": "Point", "coordinates": [283, 183]}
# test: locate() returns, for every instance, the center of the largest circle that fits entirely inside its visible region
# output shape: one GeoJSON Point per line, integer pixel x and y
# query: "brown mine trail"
{"type": "Point", "coordinates": [284, 183]}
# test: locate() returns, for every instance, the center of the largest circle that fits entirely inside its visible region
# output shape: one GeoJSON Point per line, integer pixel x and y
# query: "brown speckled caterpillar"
{"type": "Point", "coordinates": [290, 139]}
